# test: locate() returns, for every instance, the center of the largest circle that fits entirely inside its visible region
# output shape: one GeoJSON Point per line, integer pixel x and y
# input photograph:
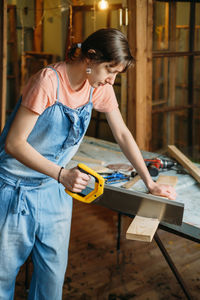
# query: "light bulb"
{"type": "Point", "coordinates": [103, 4]}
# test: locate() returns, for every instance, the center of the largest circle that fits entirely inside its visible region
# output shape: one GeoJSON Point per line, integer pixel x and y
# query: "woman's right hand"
{"type": "Point", "coordinates": [74, 180]}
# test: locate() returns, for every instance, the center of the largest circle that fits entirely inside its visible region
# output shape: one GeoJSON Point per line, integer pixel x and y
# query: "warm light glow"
{"type": "Point", "coordinates": [103, 4]}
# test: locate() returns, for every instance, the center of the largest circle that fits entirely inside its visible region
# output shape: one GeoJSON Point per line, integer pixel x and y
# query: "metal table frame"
{"type": "Point", "coordinates": [163, 251]}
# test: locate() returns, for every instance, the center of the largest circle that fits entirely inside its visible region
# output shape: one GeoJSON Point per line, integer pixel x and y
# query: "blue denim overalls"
{"type": "Point", "coordinates": [35, 211]}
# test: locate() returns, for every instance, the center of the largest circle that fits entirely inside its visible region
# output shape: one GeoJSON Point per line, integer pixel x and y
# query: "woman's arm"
{"type": "Point", "coordinates": [18, 147]}
{"type": "Point", "coordinates": [129, 147]}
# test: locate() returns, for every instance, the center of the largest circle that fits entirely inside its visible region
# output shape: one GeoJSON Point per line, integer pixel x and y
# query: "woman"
{"type": "Point", "coordinates": [41, 136]}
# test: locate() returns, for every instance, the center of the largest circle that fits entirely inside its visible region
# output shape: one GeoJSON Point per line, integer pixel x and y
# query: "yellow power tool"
{"type": "Point", "coordinates": [98, 187]}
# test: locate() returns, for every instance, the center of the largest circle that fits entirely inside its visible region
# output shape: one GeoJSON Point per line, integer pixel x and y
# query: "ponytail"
{"type": "Point", "coordinates": [74, 51]}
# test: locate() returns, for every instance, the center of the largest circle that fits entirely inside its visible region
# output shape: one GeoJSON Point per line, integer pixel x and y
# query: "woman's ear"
{"type": "Point", "coordinates": [90, 58]}
{"type": "Point", "coordinates": [91, 54]}
{"type": "Point", "coordinates": [92, 51]}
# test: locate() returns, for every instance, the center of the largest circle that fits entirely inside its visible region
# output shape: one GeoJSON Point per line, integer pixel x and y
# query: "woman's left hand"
{"type": "Point", "coordinates": [163, 191]}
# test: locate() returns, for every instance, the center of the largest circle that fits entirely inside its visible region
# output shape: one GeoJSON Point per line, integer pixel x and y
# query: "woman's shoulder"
{"type": "Point", "coordinates": [49, 70]}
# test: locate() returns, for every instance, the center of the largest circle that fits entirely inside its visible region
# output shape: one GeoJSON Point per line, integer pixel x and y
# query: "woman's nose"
{"type": "Point", "coordinates": [111, 79]}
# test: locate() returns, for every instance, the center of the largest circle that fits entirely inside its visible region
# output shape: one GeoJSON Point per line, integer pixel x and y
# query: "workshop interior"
{"type": "Point", "coordinates": [146, 247]}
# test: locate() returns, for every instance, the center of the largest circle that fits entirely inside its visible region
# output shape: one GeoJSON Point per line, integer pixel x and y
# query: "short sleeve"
{"type": "Point", "coordinates": [104, 99]}
{"type": "Point", "coordinates": [40, 91]}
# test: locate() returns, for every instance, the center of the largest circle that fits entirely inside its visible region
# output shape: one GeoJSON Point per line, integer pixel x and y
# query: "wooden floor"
{"type": "Point", "coordinates": [97, 272]}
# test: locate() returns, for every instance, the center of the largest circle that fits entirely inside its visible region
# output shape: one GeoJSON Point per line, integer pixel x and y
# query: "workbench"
{"type": "Point", "coordinates": [187, 188]}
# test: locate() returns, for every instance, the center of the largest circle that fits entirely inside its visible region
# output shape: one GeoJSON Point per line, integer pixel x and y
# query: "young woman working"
{"type": "Point", "coordinates": [41, 136]}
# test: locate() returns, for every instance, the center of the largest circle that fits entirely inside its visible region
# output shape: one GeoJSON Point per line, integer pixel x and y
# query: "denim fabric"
{"type": "Point", "coordinates": [57, 135]}
{"type": "Point", "coordinates": [35, 211]}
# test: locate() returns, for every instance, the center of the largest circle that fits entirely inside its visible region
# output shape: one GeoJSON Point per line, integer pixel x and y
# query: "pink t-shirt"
{"type": "Point", "coordinates": [40, 92]}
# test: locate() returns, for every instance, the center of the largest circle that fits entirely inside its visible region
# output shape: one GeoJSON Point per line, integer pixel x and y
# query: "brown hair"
{"type": "Point", "coordinates": [110, 45]}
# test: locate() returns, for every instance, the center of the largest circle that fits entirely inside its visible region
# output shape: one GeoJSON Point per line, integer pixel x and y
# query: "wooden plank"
{"type": "Point", "coordinates": [3, 61]}
{"type": "Point", "coordinates": [12, 48]}
{"type": "Point", "coordinates": [149, 68]}
{"type": "Point", "coordinates": [88, 160]}
{"type": "Point", "coordinates": [131, 79]}
{"type": "Point", "coordinates": [170, 180]}
{"type": "Point", "coordinates": [172, 76]}
{"type": "Point", "coordinates": [140, 77]}
{"type": "Point", "coordinates": [101, 169]}
{"type": "Point", "coordinates": [38, 31]}
{"type": "Point", "coordinates": [131, 182]}
{"type": "Point", "coordinates": [143, 229]}
{"type": "Point", "coordinates": [184, 161]}
{"type": "Point", "coordinates": [141, 73]}
{"type": "Point", "coordinates": [123, 102]}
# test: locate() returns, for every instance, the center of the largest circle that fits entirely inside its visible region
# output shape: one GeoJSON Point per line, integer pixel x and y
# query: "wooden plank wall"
{"type": "Point", "coordinates": [3, 61]}
{"type": "Point", "coordinates": [140, 77]}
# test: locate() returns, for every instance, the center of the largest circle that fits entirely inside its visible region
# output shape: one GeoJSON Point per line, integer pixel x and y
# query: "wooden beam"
{"type": "Point", "coordinates": [141, 73]}
{"type": "Point", "coordinates": [131, 182]}
{"type": "Point", "coordinates": [175, 54]}
{"type": "Point", "coordinates": [12, 48]}
{"type": "Point", "coordinates": [172, 76]}
{"type": "Point", "coordinates": [88, 160]}
{"type": "Point", "coordinates": [140, 82]}
{"type": "Point", "coordinates": [38, 32]}
{"type": "Point", "coordinates": [77, 26]}
{"type": "Point", "coordinates": [3, 61]}
{"type": "Point", "coordinates": [91, 7]}
{"type": "Point", "coordinates": [124, 76]}
{"type": "Point", "coordinates": [143, 229]}
{"type": "Point", "coordinates": [184, 161]}
{"type": "Point", "coordinates": [170, 180]}
{"type": "Point", "coordinates": [131, 86]}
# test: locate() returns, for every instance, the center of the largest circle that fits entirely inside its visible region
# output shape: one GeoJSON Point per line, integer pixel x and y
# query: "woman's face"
{"type": "Point", "coordinates": [103, 73]}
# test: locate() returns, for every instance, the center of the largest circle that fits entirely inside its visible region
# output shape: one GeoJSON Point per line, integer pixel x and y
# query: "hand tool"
{"type": "Point", "coordinates": [129, 202]}
{"type": "Point", "coordinates": [93, 194]}
{"type": "Point", "coordinates": [116, 177]}
{"type": "Point", "coordinates": [155, 164]}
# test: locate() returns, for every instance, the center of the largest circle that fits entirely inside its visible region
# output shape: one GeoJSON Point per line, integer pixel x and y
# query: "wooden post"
{"type": "Point", "coordinates": [140, 83]}
{"type": "Point", "coordinates": [12, 48]}
{"type": "Point", "coordinates": [124, 27]}
{"type": "Point", "coordinates": [3, 61]}
{"type": "Point", "coordinates": [77, 29]}
{"type": "Point", "coordinates": [172, 75]}
{"type": "Point", "coordinates": [38, 34]}
{"type": "Point", "coordinates": [131, 86]}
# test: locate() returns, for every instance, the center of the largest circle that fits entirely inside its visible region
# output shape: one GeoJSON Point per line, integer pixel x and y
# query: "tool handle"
{"type": "Point", "coordinates": [96, 192]}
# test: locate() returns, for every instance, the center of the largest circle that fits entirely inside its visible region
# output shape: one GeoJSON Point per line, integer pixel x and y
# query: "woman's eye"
{"type": "Point", "coordinates": [110, 71]}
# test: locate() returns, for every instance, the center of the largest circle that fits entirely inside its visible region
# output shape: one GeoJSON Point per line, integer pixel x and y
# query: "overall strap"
{"type": "Point", "coordinates": [91, 92]}
{"type": "Point", "coordinates": [57, 92]}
